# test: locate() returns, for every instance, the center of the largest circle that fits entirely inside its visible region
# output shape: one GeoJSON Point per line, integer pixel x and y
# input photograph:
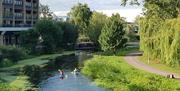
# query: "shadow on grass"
{"type": "Point", "coordinates": [121, 52]}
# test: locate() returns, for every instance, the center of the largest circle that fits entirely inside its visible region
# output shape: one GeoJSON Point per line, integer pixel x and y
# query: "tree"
{"type": "Point", "coordinates": [112, 36]}
{"type": "Point", "coordinates": [159, 31]}
{"type": "Point", "coordinates": [130, 32]}
{"type": "Point", "coordinates": [131, 2]}
{"type": "Point", "coordinates": [70, 34]}
{"type": "Point", "coordinates": [80, 15]}
{"type": "Point", "coordinates": [97, 22]}
{"type": "Point", "coordinates": [45, 12]}
{"type": "Point", "coordinates": [29, 39]}
{"type": "Point", "coordinates": [50, 33]}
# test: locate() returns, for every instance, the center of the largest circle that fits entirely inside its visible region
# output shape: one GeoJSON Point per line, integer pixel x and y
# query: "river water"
{"type": "Point", "coordinates": [71, 82]}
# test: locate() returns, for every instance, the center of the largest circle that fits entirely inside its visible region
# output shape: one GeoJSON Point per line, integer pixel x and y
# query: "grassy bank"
{"type": "Point", "coordinates": [8, 74]}
{"type": "Point", "coordinates": [160, 66]}
{"type": "Point", "coordinates": [32, 71]}
{"type": "Point", "coordinates": [113, 73]}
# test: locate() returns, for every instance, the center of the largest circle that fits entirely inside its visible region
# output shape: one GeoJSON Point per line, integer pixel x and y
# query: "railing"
{"type": "Point", "coordinates": [7, 25]}
{"type": "Point", "coordinates": [7, 2]}
{"type": "Point", "coordinates": [23, 25]}
{"type": "Point", "coordinates": [35, 6]}
{"type": "Point", "coordinates": [28, 16]}
{"type": "Point", "coordinates": [28, 5]}
{"type": "Point", "coordinates": [18, 3]}
{"type": "Point", "coordinates": [8, 16]}
{"type": "Point", "coordinates": [35, 17]}
{"type": "Point", "coordinates": [18, 16]}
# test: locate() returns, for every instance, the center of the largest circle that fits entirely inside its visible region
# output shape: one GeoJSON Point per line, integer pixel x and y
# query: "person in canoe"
{"type": "Point", "coordinates": [61, 72]}
{"type": "Point", "coordinates": [76, 71]}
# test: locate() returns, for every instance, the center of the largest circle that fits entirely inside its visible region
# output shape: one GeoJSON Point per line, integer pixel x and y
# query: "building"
{"type": "Point", "coordinates": [16, 16]}
{"type": "Point", "coordinates": [60, 18]}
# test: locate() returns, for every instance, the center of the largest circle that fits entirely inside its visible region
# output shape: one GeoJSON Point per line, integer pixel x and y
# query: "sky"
{"type": "Point", "coordinates": [108, 7]}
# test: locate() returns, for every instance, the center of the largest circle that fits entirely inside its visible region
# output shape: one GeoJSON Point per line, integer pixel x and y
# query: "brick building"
{"type": "Point", "coordinates": [15, 16]}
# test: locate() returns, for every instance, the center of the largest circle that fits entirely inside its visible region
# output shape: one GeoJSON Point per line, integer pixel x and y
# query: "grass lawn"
{"type": "Point", "coordinates": [8, 75]}
{"type": "Point", "coordinates": [160, 66]}
{"type": "Point", "coordinates": [113, 73]}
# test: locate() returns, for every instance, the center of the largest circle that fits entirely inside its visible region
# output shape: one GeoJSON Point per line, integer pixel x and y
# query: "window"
{"type": "Point", "coordinates": [8, 1]}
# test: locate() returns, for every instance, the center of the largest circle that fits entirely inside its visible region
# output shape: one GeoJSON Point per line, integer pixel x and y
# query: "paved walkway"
{"type": "Point", "coordinates": [132, 59]}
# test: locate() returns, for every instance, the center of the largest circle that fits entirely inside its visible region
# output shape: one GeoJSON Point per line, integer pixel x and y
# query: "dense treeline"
{"type": "Point", "coordinates": [49, 36]}
{"type": "Point", "coordinates": [159, 31]}
{"type": "Point", "coordinates": [108, 33]}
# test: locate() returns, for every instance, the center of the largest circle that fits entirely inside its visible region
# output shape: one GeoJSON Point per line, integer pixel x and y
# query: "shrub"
{"type": "Point", "coordinates": [33, 72]}
{"type": "Point", "coordinates": [12, 53]}
{"type": "Point", "coordinates": [22, 84]}
{"type": "Point", "coordinates": [6, 63]}
{"type": "Point", "coordinates": [4, 87]}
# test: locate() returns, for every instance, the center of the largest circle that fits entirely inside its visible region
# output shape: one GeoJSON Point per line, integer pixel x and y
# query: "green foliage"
{"type": "Point", "coordinates": [50, 33]}
{"type": "Point", "coordinates": [33, 72]}
{"type": "Point", "coordinates": [131, 2]}
{"type": "Point", "coordinates": [112, 73]}
{"type": "Point", "coordinates": [156, 31]}
{"type": "Point", "coordinates": [80, 15]}
{"type": "Point", "coordinates": [29, 39]}
{"type": "Point", "coordinates": [22, 84]}
{"type": "Point", "coordinates": [112, 35]}
{"type": "Point", "coordinates": [49, 36]}
{"type": "Point", "coordinates": [12, 53]}
{"type": "Point", "coordinates": [170, 42]}
{"type": "Point", "coordinates": [97, 22]}
{"type": "Point", "coordinates": [5, 87]}
{"type": "Point", "coordinates": [45, 12]}
{"type": "Point", "coordinates": [70, 34]}
{"type": "Point", "coordinates": [6, 63]}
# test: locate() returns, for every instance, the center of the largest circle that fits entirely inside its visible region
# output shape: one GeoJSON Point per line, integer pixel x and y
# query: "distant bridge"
{"type": "Point", "coordinates": [85, 46]}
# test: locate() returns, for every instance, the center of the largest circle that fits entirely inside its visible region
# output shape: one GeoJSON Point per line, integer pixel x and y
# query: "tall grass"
{"type": "Point", "coordinates": [113, 73]}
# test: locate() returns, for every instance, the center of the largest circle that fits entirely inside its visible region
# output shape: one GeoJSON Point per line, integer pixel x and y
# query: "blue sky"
{"type": "Point", "coordinates": [62, 7]}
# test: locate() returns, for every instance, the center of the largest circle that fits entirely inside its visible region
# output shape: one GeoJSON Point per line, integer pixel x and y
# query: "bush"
{"type": "Point", "coordinates": [12, 53]}
{"type": "Point", "coordinates": [33, 72]}
{"type": "Point", "coordinates": [116, 75]}
{"type": "Point", "coordinates": [4, 87]}
{"type": "Point", "coordinates": [6, 63]}
{"type": "Point", "coordinates": [22, 84]}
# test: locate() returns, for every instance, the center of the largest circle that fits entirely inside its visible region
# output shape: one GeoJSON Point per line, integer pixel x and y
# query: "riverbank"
{"type": "Point", "coordinates": [113, 73]}
{"type": "Point", "coordinates": [9, 74]}
{"type": "Point", "coordinates": [25, 73]}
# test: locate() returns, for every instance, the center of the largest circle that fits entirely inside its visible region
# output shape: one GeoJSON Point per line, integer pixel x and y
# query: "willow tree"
{"type": "Point", "coordinates": [170, 42]}
{"type": "Point", "coordinates": [159, 31]}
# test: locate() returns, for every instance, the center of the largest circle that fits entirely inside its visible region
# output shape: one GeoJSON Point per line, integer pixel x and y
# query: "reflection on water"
{"type": "Point", "coordinates": [82, 56]}
{"type": "Point", "coordinates": [70, 83]}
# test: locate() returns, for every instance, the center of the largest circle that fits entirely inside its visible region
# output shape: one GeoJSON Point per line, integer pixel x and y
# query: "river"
{"type": "Point", "coordinates": [71, 82]}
